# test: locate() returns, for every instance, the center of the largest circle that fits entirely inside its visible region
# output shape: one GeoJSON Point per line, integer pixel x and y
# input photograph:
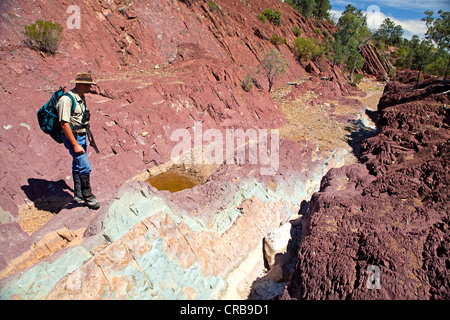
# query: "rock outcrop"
{"type": "Point", "coordinates": [389, 213]}
{"type": "Point", "coordinates": [375, 62]}
{"type": "Point", "coordinates": [153, 78]}
{"type": "Point", "coordinates": [160, 66]}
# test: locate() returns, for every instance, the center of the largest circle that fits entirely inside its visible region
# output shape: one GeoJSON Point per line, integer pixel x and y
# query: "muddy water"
{"type": "Point", "coordinates": [172, 182]}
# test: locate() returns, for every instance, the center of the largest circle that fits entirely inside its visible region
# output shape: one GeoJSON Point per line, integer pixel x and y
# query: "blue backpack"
{"type": "Point", "coordinates": [48, 117]}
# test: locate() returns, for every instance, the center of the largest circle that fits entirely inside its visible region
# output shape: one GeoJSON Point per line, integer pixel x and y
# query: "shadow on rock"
{"type": "Point", "coordinates": [360, 131]}
{"type": "Point", "coordinates": [50, 196]}
{"type": "Point", "coordinates": [280, 249]}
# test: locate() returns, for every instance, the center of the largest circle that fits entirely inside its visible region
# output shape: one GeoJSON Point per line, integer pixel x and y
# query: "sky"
{"type": "Point", "coordinates": [407, 13]}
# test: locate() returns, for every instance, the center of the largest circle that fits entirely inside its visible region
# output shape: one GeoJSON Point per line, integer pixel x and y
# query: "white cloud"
{"type": "Point", "coordinates": [375, 18]}
{"type": "Point", "coordinates": [418, 5]}
{"type": "Point", "coordinates": [411, 26]}
{"type": "Point", "coordinates": [335, 14]}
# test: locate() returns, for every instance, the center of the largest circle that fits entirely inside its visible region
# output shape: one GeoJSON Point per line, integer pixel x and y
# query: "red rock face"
{"type": "Point", "coordinates": [390, 212]}
{"type": "Point", "coordinates": [374, 62]}
{"type": "Point", "coordinates": [159, 66]}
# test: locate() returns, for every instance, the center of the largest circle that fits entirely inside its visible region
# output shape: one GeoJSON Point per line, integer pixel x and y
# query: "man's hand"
{"type": "Point", "coordinates": [78, 149]}
{"type": "Point", "coordinates": [68, 133]}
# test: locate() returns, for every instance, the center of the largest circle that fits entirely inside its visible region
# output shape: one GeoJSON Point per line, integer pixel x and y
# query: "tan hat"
{"type": "Point", "coordinates": [83, 77]}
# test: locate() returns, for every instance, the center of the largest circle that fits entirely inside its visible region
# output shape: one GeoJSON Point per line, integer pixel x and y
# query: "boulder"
{"type": "Point", "coordinates": [276, 246]}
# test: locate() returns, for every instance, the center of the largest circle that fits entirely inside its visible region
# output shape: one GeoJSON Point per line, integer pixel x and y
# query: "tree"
{"type": "Point", "coordinates": [312, 8]}
{"type": "Point", "coordinates": [439, 64]}
{"type": "Point", "coordinates": [401, 55]}
{"type": "Point", "coordinates": [321, 10]}
{"type": "Point", "coordinates": [439, 32]}
{"type": "Point", "coordinates": [273, 64]}
{"type": "Point", "coordinates": [305, 7]}
{"type": "Point", "coordinates": [389, 33]}
{"type": "Point", "coordinates": [420, 54]}
{"type": "Point", "coordinates": [351, 37]}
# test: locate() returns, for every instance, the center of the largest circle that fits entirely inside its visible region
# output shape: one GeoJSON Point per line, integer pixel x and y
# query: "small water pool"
{"type": "Point", "coordinates": [172, 181]}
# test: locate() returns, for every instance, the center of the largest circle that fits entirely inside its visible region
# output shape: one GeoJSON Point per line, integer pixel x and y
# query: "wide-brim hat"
{"type": "Point", "coordinates": [83, 77]}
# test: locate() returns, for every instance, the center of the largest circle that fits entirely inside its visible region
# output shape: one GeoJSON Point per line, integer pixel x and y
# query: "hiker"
{"type": "Point", "coordinates": [75, 137]}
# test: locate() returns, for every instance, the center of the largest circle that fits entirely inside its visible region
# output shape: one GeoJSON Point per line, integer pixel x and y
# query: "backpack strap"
{"type": "Point", "coordinates": [74, 105]}
{"type": "Point", "coordinates": [71, 99]}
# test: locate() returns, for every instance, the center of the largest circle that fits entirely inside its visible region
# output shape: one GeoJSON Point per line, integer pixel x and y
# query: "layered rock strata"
{"type": "Point", "coordinates": [389, 213]}
{"type": "Point", "coordinates": [153, 78]}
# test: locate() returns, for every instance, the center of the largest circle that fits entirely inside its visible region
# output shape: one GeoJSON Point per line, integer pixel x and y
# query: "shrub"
{"type": "Point", "coordinates": [262, 17]}
{"type": "Point", "coordinates": [297, 31]}
{"type": "Point", "coordinates": [308, 48]}
{"type": "Point", "coordinates": [392, 73]}
{"type": "Point", "coordinates": [302, 47]}
{"type": "Point", "coordinates": [357, 78]}
{"type": "Point", "coordinates": [44, 35]}
{"type": "Point", "coordinates": [272, 65]}
{"type": "Point", "coordinates": [277, 40]}
{"type": "Point", "coordinates": [317, 53]}
{"type": "Point", "coordinates": [273, 17]}
{"type": "Point", "coordinates": [247, 83]}
{"type": "Point", "coordinates": [212, 6]}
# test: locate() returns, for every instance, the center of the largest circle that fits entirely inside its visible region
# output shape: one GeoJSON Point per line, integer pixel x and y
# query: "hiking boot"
{"type": "Point", "coordinates": [88, 197]}
{"type": "Point", "coordinates": [77, 195]}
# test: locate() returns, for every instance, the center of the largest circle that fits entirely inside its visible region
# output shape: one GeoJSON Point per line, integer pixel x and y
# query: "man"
{"type": "Point", "coordinates": [74, 126]}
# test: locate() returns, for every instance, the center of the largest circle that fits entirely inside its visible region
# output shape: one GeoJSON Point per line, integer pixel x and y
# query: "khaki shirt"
{"type": "Point", "coordinates": [64, 108]}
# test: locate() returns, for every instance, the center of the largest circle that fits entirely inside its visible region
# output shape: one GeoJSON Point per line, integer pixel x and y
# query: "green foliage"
{"type": "Point", "coordinates": [431, 54]}
{"type": "Point", "coordinates": [44, 35]}
{"type": "Point", "coordinates": [272, 65]}
{"type": "Point", "coordinates": [212, 4]}
{"type": "Point", "coordinates": [389, 33]}
{"type": "Point", "coordinates": [273, 16]}
{"type": "Point", "coordinates": [262, 17]}
{"type": "Point", "coordinates": [438, 29]}
{"type": "Point", "coordinates": [328, 45]}
{"type": "Point", "coordinates": [297, 31]}
{"type": "Point", "coordinates": [312, 8]}
{"type": "Point", "coordinates": [352, 35]}
{"type": "Point", "coordinates": [355, 61]}
{"type": "Point", "coordinates": [321, 10]}
{"type": "Point", "coordinates": [305, 7]}
{"type": "Point", "coordinates": [317, 52]}
{"type": "Point", "coordinates": [247, 83]}
{"type": "Point", "coordinates": [420, 53]}
{"type": "Point", "coordinates": [357, 77]}
{"type": "Point", "coordinates": [277, 40]}
{"type": "Point", "coordinates": [303, 47]}
{"type": "Point", "coordinates": [392, 73]}
{"type": "Point", "coordinates": [308, 48]}
{"type": "Point", "coordinates": [439, 32]}
{"type": "Point", "coordinates": [439, 64]}
{"type": "Point", "coordinates": [401, 57]}
{"type": "Point", "coordinates": [379, 44]}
